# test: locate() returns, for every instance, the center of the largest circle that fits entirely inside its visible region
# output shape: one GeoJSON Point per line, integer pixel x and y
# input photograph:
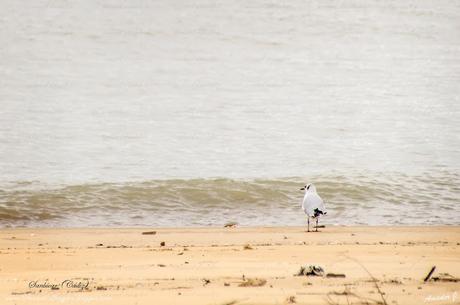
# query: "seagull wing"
{"type": "Point", "coordinates": [311, 202]}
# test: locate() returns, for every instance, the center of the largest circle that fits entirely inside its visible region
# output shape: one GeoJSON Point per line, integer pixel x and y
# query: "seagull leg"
{"type": "Point", "coordinates": [316, 224]}
{"type": "Point", "coordinates": [308, 222]}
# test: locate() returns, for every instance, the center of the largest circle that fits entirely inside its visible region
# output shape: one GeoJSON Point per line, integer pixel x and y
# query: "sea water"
{"type": "Point", "coordinates": [184, 113]}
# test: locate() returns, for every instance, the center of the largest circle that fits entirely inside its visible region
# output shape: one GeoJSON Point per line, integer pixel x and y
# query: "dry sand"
{"type": "Point", "coordinates": [221, 265]}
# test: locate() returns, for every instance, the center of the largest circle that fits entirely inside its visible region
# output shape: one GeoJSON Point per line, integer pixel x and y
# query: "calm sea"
{"type": "Point", "coordinates": [185, 113]}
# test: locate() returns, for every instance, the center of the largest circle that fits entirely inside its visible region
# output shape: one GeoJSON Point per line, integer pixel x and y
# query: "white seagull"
{"type": "Point", "coordinates": [312, 204]}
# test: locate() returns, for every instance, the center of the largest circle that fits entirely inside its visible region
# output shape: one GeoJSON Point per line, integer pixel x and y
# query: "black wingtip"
{"type": "Point", "coordinates": [318, 212]}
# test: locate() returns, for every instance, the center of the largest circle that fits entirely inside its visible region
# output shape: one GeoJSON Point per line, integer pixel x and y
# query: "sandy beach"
{"type": "Point", "coordinates": [229, 265]}
{"type": "Point", "coordinates": [132, 132]}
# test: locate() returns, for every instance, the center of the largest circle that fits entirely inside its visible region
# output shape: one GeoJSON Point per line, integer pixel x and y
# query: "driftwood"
{"type": "Point", "coordinates": [445, 277]}
{"type": "Point", "coordinates": [427, 277]}
{"type": "Point", "coordinates": [335, 275]}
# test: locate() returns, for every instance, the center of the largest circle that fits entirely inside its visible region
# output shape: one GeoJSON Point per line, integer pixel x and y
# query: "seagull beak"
{"type": "Point", "coordinates": [302, 189]}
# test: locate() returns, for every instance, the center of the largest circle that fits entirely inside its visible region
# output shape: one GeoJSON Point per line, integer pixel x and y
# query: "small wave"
{"type": "Point", "coordinates": [360, 199]}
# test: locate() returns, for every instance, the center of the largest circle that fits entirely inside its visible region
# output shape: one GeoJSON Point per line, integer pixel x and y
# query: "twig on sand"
{"type": "Point", "coordinates": [445, 277]}
{"type": "Point", "coordinates": [347, 293]}
{"type": "Point", "coordinates": [149, 233]}
{"type": "Point", "coordinates": [442, 277]}
{"type": "Point", "coordinates": [330, 301]}
{"type": "Point", "coordinates": [427, 277]}
{"type": "Point", "coordinates": [373, 279]}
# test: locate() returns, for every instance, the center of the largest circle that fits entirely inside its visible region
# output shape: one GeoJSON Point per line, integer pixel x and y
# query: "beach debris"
{"type": "Point", "coordinates": [311, 270]}
{"type": "Point", "coordinates": [101, 288]}
{"type": "Point", "coordinates": [180, 253]}
{"type": "Point", "coordinates": [149, 233]}
{"type": "Point", "coordinates": [253, 282]}
{"type": "Point", "coordinates": [206, 281]}
{"type": "Point", "coordinates": [291, 300]}
{"type": "Point", "coordinates": [445, 277]}
{"type": "Point", "coordinates": [99, 245]}
{"type": "Point", "coordinates": [230, 224]}
{"type": "Point", "coordinates": [427, 277]}
{"type": "Point", "coordinates": [248, 247]}
{"type": "Point", "coordinates": [162, 244]}
{"type": "Point", "coordinates": [336, 275]}
{"type": "Point", "coordinates": [161, 265]}
{"type": "Point", "coordinates": [226, 284]}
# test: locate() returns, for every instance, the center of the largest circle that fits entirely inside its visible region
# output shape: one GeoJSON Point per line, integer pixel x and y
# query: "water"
{"type": "Point", "coordinates": [196, 113]}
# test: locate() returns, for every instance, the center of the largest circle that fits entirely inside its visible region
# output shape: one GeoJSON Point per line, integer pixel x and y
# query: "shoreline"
{"type": "Point", "coordinates": [212, 227]}
{"type": "Point", "coordinates": [212, 265]}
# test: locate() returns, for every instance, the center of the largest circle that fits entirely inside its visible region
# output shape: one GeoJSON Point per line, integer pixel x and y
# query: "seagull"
{"type": "Point", "coordinates": [312, 204]}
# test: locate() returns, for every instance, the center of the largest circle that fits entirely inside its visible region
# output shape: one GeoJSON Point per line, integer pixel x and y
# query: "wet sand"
{"type": "Point", "coordinates": [226, 265]}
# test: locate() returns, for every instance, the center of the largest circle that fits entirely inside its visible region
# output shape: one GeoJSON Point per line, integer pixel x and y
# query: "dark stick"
{"type": "Point", "coordinates": [429, 274]}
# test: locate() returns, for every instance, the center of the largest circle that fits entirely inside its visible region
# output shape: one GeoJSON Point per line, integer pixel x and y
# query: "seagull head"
{"type": "Point", "coordinates": [309, 188]}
